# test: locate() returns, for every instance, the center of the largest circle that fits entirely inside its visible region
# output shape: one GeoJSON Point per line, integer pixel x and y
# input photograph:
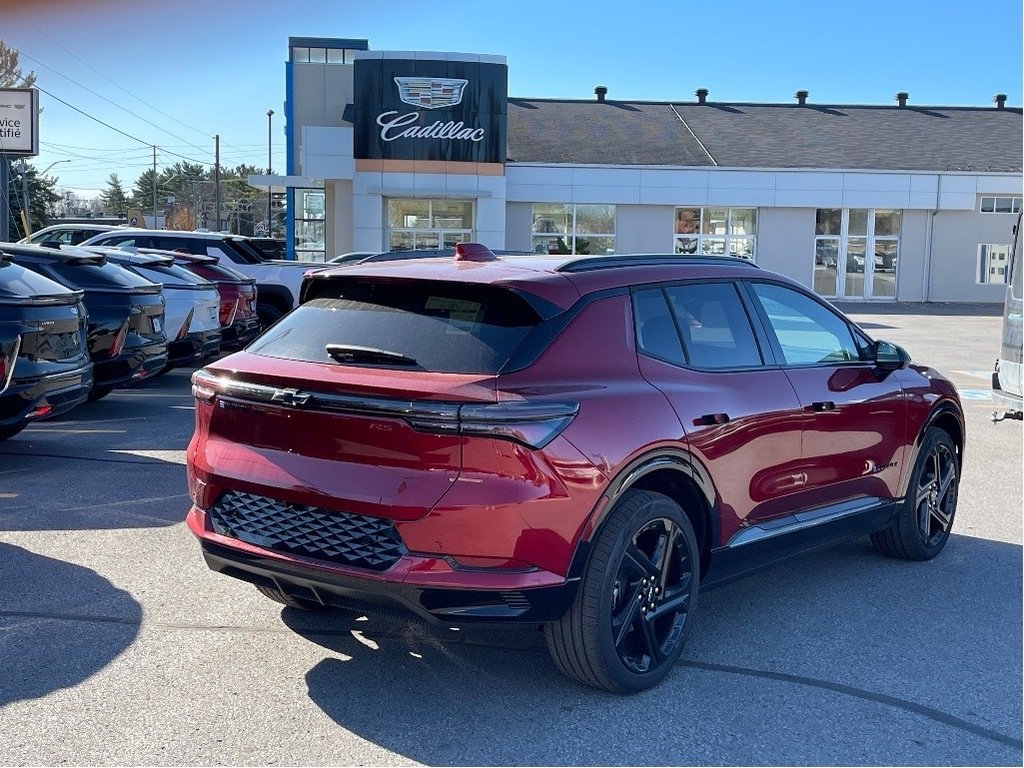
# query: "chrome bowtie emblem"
{"type": "Point", "coordinates": [291, 397]}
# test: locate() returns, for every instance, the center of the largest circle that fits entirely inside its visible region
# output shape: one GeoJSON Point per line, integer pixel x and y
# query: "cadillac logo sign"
{"type": "Point", "coordinates": [430, 92]}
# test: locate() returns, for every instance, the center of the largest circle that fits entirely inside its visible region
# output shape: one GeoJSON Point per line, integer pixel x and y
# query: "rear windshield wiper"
{"type": "Point", "coordinates": [347, 353]}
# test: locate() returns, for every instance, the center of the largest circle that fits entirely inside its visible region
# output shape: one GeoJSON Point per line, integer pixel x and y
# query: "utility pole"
{"type": "Point", "coordinates": [216, 180]}
{"type": "Point", "coordinates": [26, 215]}
{"type": "Point", "coordinates": [270, 163]}
{"type": "Point", "coordinates": [154, 186]}
{"type": "Point", "coordinates": [5, 199]}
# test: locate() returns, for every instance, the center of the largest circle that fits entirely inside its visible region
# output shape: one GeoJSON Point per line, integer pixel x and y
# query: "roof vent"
{"type": "Point", "coordinates": [801, 97]}
{"type": "Point", "coordinates": [901, 98]}
{"type": "Point", "coordinates": [1000, 100]}
{"type": "Point", "coordinates": [702, 95]}
{"type": "Point", "coordinates": [473, 252]}
{"type": "Point", "coordinates": [601, 91]}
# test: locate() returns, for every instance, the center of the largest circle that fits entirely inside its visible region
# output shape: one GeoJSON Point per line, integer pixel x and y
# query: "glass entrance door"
{"type": "Point", "coordinates": [428, 224]}
{"type": "Point", "coordinates": [856, 253]}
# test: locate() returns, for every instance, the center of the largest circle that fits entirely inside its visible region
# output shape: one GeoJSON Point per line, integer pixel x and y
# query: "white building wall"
{"type": "Point", "coordinates": [518, 225]}
{"type": "Point", "coordinates": [785, 242]}
{"type": "Point", "coordinates": [912, 258]}
{"type": "Point", "coordinates": [644, 228]}
{"type": "Point", "coordinates": [955, 241]}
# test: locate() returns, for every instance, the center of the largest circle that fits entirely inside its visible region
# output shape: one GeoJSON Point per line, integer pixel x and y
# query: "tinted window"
{"type": "Point", "coordinates": [171, 243]}
{"type": "Point", "coordinates": [100, 276]}
{"type": "Point", "coordinates": [656, 332]}
{"type": "Point", "coordinates": [715, 327]}
{"type": "Point", "coordinates": [443, 327]}
{"type": "Point", "coordinates": [128, 241]}
{"type": "Point", "coordinates": [807, 332]}
{"type": "Point", "coordinates": [170, 274]}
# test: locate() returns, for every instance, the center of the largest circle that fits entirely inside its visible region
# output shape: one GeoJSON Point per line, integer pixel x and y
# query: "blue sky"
{"type": "Point", "coordinates": [189, 69]}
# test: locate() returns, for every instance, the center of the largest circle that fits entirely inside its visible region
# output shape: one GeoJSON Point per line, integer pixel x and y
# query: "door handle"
{"type": "Point", "coordinates": [711, 419]}
{"type": "Point", "coordinates": [822, 406]}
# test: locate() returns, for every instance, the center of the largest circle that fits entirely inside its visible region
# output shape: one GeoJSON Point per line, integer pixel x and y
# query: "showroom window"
{"type": "Point", "coordinates": [573, 229]}
{"type": "Point", "coordinates": [1000, 204]}
{"type": "Point", "coordinates": [310, 224]}
{"type": "Point", "coordinates": [843, 240]}
{"type": "Point", "coordinates": [716, 232]}
{"type": "Point", "coordinates": [427, 224]}
{"type": "Point", "coordinates": [993, 260]}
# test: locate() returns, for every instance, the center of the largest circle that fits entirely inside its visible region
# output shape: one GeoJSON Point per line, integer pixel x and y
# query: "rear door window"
{"type": "Point", "coordinates": [412, 325]}
{"type": "Point", "coordinates": [715, 327]}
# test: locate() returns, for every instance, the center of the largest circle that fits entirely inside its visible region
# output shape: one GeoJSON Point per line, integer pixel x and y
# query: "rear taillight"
{"type": "Point", "coordinates": [184, 326]}
{"type": "Point", "coordinates": [204, 386]}
{"type": "Point", "coordinates": [118, 343]}
{"type": "Point", "coordinates": [228, 309]}
{"type": "Point", "coordinates": [8, 358]}
{"type": "Point", "coordinates": [533, 424]}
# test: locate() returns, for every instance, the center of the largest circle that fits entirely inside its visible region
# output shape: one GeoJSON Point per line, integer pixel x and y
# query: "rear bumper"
{"type": "Point", "coordinates": [45, 396]}
{"type": "Point", "coordinates": [133, 365]}
{"type": "Point", "coordinates": [426, 588]}
{"type": "Point", "coordinates": [197, 347]}
{"type": "Point", "coordinates": [240, 333]}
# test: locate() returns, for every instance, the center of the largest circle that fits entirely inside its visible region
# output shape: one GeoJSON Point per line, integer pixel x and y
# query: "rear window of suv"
{"type": "Point", "coordinates": [423, 325]}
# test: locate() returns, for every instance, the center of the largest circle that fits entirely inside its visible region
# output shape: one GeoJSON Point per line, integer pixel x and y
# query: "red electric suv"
{"type": "Point", "coordinates": [580, 442]}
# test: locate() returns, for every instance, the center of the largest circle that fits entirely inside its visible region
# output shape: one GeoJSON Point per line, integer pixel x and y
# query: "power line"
{"type": "Point", "coordinates": [117, 85]}
{"type": "Point", "coordinates": [113, 103]}
{"type": "Point", "coordinates": [117, 130]}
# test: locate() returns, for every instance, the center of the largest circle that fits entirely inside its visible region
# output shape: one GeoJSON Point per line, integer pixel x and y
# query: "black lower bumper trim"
{"type": "Point", "coordinates": [434, 605]}
{"type": "Point", "coordinates": [60, 392]}
{"type": "Point", "coordinates": [195, 348]}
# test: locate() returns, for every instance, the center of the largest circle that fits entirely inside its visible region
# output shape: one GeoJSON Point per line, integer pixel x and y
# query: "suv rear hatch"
{"type": "Point", "coordinates": [361, 399]}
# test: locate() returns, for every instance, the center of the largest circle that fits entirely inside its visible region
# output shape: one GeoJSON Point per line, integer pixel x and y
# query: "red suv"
{"type": "Point", "coordinates": [582, 442]}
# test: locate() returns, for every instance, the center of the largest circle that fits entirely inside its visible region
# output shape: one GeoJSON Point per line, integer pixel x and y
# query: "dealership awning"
{"type": "Point", "coordinates": [284, 183]}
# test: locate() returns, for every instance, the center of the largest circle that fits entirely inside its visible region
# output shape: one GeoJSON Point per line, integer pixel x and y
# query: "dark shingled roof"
{"type": "Point", "coordinates": [765, 135]}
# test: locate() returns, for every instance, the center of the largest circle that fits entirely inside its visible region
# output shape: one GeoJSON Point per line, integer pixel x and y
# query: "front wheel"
{"type": "Point", "coordinates": [628, 622]}
{"type": "Point", "coordinates": [922, 525]}
{"type": "Point", "coordinates": [11, 430]}
{"type": "Point", "coordinates": [98, 393]}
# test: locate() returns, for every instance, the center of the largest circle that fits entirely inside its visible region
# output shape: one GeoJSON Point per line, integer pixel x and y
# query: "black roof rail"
{"type": "Point", "coordinates": [648, 260]}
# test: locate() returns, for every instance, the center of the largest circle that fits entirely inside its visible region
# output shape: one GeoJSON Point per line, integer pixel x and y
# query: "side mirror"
{"type": "Point", "coordinates": [890, 357]}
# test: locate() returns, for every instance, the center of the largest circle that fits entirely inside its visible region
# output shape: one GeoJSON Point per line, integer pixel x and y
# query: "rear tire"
{"type": "Point", "coordinates": [628, 623]}
{"type": "Point", "coordinates": [922, 525]}
{"type": "Point", "coordinates": [278, 596]}
{"type": "Point", "coordinates": [268, 315]}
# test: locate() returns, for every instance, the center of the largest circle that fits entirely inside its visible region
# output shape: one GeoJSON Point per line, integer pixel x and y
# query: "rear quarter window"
{"type": "Point", "coordinates": [442, 327]}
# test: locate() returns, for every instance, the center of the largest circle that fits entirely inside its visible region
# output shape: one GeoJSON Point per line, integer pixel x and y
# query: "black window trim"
{"type": "Point", "coordinates": [769, 357]}
{"type": "Point", "coordinates": [855, 332]}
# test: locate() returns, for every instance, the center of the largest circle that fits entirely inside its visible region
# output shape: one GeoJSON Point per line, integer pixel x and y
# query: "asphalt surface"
{"type": "Point", "coordinates": [118, 646]}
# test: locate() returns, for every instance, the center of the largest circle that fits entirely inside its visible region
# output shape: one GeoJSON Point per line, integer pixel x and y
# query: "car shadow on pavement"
{"type": "Point", "coordinates": [102, 465]}
{"type": "Point", "coordinates": [837, 657]}
{"type": "Point", "coordinates": [50, 637]}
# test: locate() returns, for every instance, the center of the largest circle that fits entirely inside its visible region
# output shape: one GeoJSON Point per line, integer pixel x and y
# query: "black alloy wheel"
{"type": "Point", "coordinates": [627, 625]}
{"type": "Point", "coordinates": [651, 596]}
{"type": "Point", "coordinates": [925, 519]}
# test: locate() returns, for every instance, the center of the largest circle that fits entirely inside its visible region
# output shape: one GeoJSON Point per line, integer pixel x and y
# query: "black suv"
{"type": "Point", "coordinates": [126, 336]}
{"type": "Point", "coordinates": [44, 365]}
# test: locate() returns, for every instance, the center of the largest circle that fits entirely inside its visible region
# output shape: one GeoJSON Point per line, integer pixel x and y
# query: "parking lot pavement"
{"type": "Point", "coordinates": [118, 646]}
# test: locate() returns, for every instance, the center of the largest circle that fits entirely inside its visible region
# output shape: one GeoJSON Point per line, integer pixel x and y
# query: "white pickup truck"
{"type": "Point", "coordinates": [277, 282]}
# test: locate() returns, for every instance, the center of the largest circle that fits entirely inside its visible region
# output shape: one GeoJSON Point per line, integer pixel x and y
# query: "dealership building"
{"type": "Point", "coordinates": [409, 149]}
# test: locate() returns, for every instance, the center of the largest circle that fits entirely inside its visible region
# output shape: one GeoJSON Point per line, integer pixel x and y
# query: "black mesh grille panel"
{"type": "Point", "coordinates": [337, 537]}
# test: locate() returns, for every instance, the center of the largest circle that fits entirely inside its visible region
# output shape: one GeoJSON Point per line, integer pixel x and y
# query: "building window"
{"type": "Point", "coordinates": [310, 225]}
{"type": "Point", "coordinates": [843, 240]}
{"type": "Point", "coordinates": [573, 229]}
{"type": "Point", "coordinates": [716, 232]}
{"type": "Point", "coordinates": [1000, 204]}
{"type": "Point", "coordinates": [429, 224]}
{"type": "Point", "coordinates": [993, 261]}
{"type": "Point", "coordinates": [303, 55]}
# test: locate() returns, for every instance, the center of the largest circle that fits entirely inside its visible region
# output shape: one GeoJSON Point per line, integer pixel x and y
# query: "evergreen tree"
{"type": "Point", "coordinates": [114, 197]}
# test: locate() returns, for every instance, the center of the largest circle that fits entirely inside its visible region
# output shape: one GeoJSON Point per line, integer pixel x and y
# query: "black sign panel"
{"type": "Point", "coordinates": [430, 110]}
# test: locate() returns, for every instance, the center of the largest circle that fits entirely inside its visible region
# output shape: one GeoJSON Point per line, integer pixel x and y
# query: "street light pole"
{"type": "Point", "coordinates": [270, 163]}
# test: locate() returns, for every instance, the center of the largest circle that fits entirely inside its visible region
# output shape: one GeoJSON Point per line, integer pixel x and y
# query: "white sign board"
{"type": "Point", "coordinates": [19, 121]}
